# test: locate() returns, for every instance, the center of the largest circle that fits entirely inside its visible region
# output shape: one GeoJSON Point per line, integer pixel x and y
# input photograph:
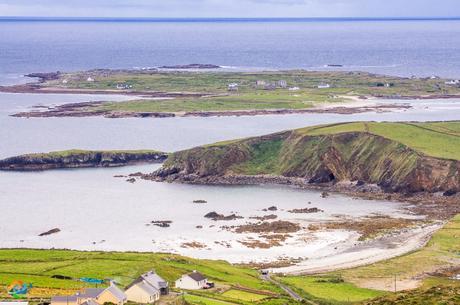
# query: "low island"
{"type": "Point", "coordinates": [80, 159]}
{"type": "Point", "coordinates": [169, 93]}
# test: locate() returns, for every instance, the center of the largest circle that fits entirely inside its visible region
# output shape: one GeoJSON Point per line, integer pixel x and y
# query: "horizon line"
{"type": "Point", "coordinates": [222, 19]}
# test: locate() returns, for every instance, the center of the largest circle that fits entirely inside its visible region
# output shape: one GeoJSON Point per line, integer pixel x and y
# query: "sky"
{"type": "Point", "coordinates": [230, 8]}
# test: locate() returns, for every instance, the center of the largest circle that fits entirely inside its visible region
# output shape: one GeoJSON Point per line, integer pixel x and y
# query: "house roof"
{"type": "Point", "coordinates": [152, 279]}
{"type": "Point", "coordinates": [196, 276]}
{"type": "Point", "coordinates": [149, 289]}
{"type": "Point", "coordinates": [91, 293]}
{"type": "Point", "coordinates": [155, 280]}
{"type": "Point", "coordinates": [116, 292]}
{"type": "Point", "coordinates": [70, 298]}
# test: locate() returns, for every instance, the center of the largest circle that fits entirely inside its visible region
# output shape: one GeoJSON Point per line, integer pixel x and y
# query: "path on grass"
{"type": "Point", "coordinates": [292, 294]}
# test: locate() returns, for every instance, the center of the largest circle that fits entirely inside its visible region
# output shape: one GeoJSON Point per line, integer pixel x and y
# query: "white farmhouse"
{"type": "Point", "coordinates": [192, 281]}
{"type": "Point", "coordinates": [147, 288]}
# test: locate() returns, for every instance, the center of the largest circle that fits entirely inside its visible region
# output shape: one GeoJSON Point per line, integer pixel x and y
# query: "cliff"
{"type": "Point", "coordinates": [79, 159]}
{"type": "Point", "coordinates": [388, 155]}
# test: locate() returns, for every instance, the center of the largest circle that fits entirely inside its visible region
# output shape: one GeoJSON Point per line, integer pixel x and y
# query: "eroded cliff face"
{"type": "Point", "coordinates": [79, 159]}
{"type": "Point", "coordinates": [322, 159]}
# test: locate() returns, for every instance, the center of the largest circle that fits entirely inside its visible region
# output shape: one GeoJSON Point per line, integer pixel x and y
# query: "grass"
{"type": "Point", "coordinates": [249, 96]}
{"type": "Point", "coordinates": [243, 295]}
{"type": "Point", "coordinates": [330, 290]}
{"type": "Point", "coordinates": [73, 152]}
{"type": "Point", "coordinates": [438, 139]}
{"type": "Point", "coordinates": [200, 300]}
{"type": "Point", "coordinates": [38, 267]}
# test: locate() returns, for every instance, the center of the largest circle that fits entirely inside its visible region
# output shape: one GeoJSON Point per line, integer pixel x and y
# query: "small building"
{"type": "Point", "coordinates": [260, 83]}
{"type": "Point", "coordinates": [270, 86]}
{"type": "Point", "coordinates": [64, 300]}
{"type": "Point", "coordinates": [233, 87]}
{"type": "Point", "coordinates": [147, 288]}
{"type": "Point", "coordinates": [192, 281]}
{"type": "Point", "coordinates": [124, 86]}
{"type": "Point", "coordinates": [90, 79]}
{"type": "Point", "coordinates": [64, 81]}
{"type": "Point", "coordinates": [294, 89]}
{"type": "Point", "coordinates": [324, 86]}
{"type": "Point", "coordinates": [453, 82]}
{"type": "Point", "coordinates": [93, 296]}
{"type": "Point", "coordinates": [282, 83]}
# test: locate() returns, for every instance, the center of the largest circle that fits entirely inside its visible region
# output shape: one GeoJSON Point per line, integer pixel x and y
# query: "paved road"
{"type": "Point", "coordinates": [292, 294]}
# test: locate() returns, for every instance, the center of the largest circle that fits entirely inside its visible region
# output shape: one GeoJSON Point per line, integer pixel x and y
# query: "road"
{"type": "Point", "coordinates": [292, 294]}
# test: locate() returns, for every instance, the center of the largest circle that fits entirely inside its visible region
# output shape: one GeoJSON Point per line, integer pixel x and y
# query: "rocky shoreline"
{"type": "Point", "coordinates": [80, 159]}
{"type": "Point", "coordinates": [433, 205]}
{"type": "Point", "coordinates": [86, 109]}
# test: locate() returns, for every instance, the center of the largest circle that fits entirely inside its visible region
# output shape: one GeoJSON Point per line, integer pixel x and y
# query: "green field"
{"type": "Point", "coordinates": [38, 267]}
{"type": "Point", "coordinates": [213, 86]}
{"type": "Point", "coordinates": [438, 139]}
{"type": "Point", "coordinates": [326, 288]}
{"type": "Point", "coordinates": [243, 295]}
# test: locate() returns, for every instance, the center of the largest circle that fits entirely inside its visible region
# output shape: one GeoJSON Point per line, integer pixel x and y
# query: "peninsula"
{"type": "Point", "coordinates": [80, 159]}
{"type": "Point", "coordinates": [404, 159]}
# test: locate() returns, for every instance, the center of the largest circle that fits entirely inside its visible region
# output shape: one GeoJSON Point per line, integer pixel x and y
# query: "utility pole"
{"type": "Point", "coordinates": [395, 282]}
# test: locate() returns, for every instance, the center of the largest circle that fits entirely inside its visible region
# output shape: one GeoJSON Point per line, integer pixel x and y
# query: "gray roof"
{"type": "Point", "coordinates": [91, 293]}
{"type": "Point", "coordinates": [149, 289]}
{"type": "Point", "coordinates": [69, 298]}
{"type": "Point", "coordinates": [197, 276]}
{"type": "Point", "coordinates": [155, 280]}
{"type": "Point", "coordinates": [116, 292]}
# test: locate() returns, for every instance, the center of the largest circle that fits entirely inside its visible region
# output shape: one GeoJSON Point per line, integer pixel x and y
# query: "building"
{"type": "Point", "coordinates": [93, 296]}
{"type": "Point", "coordinates": [147, 288]}
{"type": "Point", "coordinates": [90, 79]}
{"type": "Point", "coordinates": [282, 83]}
{"type": "Point", "coordinates": [453, 82]}
{"type": "Point", "coordinates": [324, 86]}
{"type": "Point", "coordinates": [294, 89]}
{"type": "Point", "coordinates": [192, 281]}
{"type": "Point", "coordinates": [233, 87]}
{"type": "Point", "coordinates": [260, 83]}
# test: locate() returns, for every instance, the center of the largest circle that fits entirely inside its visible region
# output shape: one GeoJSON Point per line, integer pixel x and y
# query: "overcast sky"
{"type": "Point", "coordinates": [230, 8]}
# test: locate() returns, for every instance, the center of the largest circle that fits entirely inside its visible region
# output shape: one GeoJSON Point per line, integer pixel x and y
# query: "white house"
{"type": "Point", "coordinates": [192, 281]}
{"type": "Point", "coordinates": [147, 288]}
{"type": "Point", "coordinates": [90, 79]}
{"type": "Point", "coordinates": [233, 87]}
{"type": "Point", "coordinates": [453, 82]}
{"type": "Point", "coordinates": [294, 89]}
{"type": "Point", "coordinates": [324, 86]}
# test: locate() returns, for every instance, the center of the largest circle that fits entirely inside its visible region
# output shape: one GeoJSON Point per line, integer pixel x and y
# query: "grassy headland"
{"type": "Point", "coordinates": [398, 157]}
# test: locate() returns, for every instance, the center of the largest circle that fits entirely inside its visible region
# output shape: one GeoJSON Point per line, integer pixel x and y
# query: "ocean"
{"type": "Point", "coordinates": [395, 47]}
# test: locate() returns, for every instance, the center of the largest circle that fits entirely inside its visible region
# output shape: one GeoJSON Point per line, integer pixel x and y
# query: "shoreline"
{"type": "Point", "coordinates": [420, 203]}
{"type": "Point", "coordinates": [84, 110]}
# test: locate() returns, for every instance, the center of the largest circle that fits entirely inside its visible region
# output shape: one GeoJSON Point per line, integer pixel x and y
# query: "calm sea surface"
{"type": "Point", "coordinates": [391, 47]}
